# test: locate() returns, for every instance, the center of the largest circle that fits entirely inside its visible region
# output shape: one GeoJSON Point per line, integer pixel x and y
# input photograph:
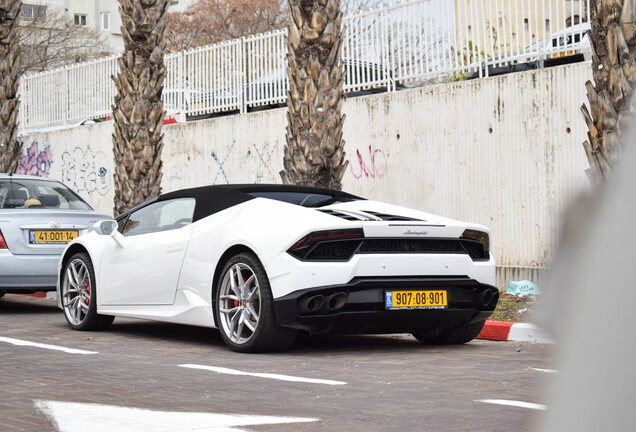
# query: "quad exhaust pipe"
{"type": "Point", "coordinates": [487, 299]}
{"type": "Point", "coordinates": [322, 304]}
{"type": "Point", "coordinates": [311, 304]}
{"type": "Point", "coordinates": [336, 301]}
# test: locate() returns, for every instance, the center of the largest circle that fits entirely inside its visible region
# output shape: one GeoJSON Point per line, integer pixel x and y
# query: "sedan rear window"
{"type": "Point", "coordinates": [37, 194]}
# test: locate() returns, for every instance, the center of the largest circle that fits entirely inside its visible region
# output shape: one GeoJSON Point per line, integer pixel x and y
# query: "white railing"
{"type": "Point", "coordinates": [504, 33]}
{"type": "Point", "coordinates": [205, 80]}
{"type": "Point", "coordinates": [406, 44]}
{"type": "Point", "coordinates": [266, 62]}
{"type": "Point", "coordinates": [68, 95]}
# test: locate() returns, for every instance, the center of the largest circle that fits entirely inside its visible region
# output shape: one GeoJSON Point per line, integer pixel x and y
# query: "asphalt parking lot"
{"type": "Point", "coordinates": [147, 376]}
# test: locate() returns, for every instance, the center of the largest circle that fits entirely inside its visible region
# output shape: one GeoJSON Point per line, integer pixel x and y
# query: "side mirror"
{"type": "Point", "coordinates": [105, 227]}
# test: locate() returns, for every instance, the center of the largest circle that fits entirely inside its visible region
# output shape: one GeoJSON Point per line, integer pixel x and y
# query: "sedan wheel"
{"type": "Point", "coordinates": [245, 309]}
{"type": "Point", "coordinates": [78, 295]}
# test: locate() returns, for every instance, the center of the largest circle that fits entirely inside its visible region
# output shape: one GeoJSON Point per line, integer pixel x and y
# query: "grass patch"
{"type": "Point", "coordinates": [514, 308]}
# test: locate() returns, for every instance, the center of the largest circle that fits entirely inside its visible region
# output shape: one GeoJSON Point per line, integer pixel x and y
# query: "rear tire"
{"type": "Point", "coordinates": [244, 308]}
{"type": "Point", "coordinates": [79, 295]}
{"type": "Point", "coordinates": [459, 335]}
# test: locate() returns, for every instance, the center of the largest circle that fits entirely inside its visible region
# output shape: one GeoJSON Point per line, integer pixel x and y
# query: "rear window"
{"type": "Point", "coordinates": [38, 194]}
{"type": "Point", "coordinates": [300, 198]}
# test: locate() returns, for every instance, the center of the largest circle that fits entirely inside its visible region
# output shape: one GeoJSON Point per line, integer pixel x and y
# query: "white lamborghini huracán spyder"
{"type": "Point", "coordinates": [264, 262]}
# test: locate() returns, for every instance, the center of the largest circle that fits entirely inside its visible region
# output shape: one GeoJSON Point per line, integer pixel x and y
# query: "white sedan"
{"type": "Point", "coordinates": [264, 262]}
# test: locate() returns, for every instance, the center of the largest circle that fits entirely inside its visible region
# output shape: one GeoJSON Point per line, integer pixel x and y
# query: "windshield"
{"type": "Point", "coordinates": [38, 194]}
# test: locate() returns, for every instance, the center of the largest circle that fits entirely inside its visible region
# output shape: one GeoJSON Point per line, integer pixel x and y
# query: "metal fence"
{"type": "Point", "coordinates": [407, 44]}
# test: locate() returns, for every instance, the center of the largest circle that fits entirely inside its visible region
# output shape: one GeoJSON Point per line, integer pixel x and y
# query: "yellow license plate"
{"type": "Point", "coordinates": [52, 236]}
{"type": "Point", "coordinates": [437, 299]}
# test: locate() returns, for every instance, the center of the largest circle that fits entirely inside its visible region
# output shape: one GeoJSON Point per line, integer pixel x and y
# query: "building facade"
{"type": "Point", "coordinates": [101, 15]}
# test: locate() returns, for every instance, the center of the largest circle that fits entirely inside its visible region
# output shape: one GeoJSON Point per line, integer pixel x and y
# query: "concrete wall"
{"type": "Point", "coordinates": [505, 152]}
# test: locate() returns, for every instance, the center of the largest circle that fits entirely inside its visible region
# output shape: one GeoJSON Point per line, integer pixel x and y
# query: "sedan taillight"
{"type": "Point", "coordinates": [3, 244]}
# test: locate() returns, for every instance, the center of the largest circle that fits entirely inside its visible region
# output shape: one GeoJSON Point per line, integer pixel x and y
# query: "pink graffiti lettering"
{"type": "Point", "coordinates": [35, 162]}
{"type": "Point", "coordinates": [375, 168]}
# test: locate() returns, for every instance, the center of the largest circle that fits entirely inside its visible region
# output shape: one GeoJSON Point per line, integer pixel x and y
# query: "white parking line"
{"type": "Point", "coordinates": [262, 375]}
{"type": "Point", "coordinates": [519, 404]}
{"type": "Point", "coordinates": [80, 417]}
{"type": "Point", "coordinates": [19, 342]}
{"type": "Point", "coordinates": [549, 371]}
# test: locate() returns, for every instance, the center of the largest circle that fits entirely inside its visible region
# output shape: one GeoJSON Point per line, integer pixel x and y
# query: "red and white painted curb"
{"type": "Point", "coordinates": [517, 332]}
{"type": "Point", "coordinates": [41, 294]}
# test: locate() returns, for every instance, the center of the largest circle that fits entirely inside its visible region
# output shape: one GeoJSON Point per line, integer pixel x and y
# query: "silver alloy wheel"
{"type": "Point", "coordinates": [76, 292]}
{"type": "Point", "coordinates": [239, 303]}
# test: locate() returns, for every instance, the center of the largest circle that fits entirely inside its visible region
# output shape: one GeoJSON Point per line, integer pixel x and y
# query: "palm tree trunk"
{"type": "Point", "coordinates": [138, 110]}
{"type": "Point", "coordinates": [315, 150]}
{"type": "Point", "coordinates": [10, 72]}
{"type": "Point", "coordinates": [613, 41]}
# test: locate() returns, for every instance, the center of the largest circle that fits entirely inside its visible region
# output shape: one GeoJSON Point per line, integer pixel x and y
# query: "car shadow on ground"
{"type": "Point", "coordinates": [24, 304]}
{"type": "Point", "coordinates": [305, 344]}
{"type": "Point", "coordinates": [166, 331]}
{"type": "Point", "coordinates": [368, 344]}
{"type": "Point", "coordinates": [202, 336]}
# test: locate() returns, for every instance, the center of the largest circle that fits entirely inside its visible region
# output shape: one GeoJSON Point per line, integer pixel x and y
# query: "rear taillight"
{"type": "Point", "coordinates": [479, 236]}
{"type": "Point", "coordinates": [328, 245]}
{"type": "Point", "coordinates": [319, 236]}
{"type": "Point", "coordinates": [3, 244]}
{"type": "Point", "coordinates": [477, 244]}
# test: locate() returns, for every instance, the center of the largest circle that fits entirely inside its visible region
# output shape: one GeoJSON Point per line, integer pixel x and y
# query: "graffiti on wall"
{"type": "Point", "coordinates": [372, 165]}
{"type": "Point", "coordinates": [35, 161]}
{"type": "Point", "coordinates": [85, 171]}
{"type": "Point", "coordinates": [264, 170]}
{"type": "Point", "coordinates": [221, 171]}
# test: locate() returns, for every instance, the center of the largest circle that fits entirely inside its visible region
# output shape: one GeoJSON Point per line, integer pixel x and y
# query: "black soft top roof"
{"type": "Point", "coordinates": [213, 199]}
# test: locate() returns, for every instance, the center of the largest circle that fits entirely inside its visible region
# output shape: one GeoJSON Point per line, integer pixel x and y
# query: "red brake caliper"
{"type": "Point", "coordinates": [88, 292]}
{"type": "Point", "coordinates": [238, 302]}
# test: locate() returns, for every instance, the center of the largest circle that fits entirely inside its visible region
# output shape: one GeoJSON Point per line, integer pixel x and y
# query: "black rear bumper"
{"type": "Point", "coordinates": [364, 310]}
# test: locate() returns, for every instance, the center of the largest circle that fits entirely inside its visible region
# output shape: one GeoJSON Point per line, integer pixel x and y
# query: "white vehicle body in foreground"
{"type": "Point", "coordinates": [267, 268]}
